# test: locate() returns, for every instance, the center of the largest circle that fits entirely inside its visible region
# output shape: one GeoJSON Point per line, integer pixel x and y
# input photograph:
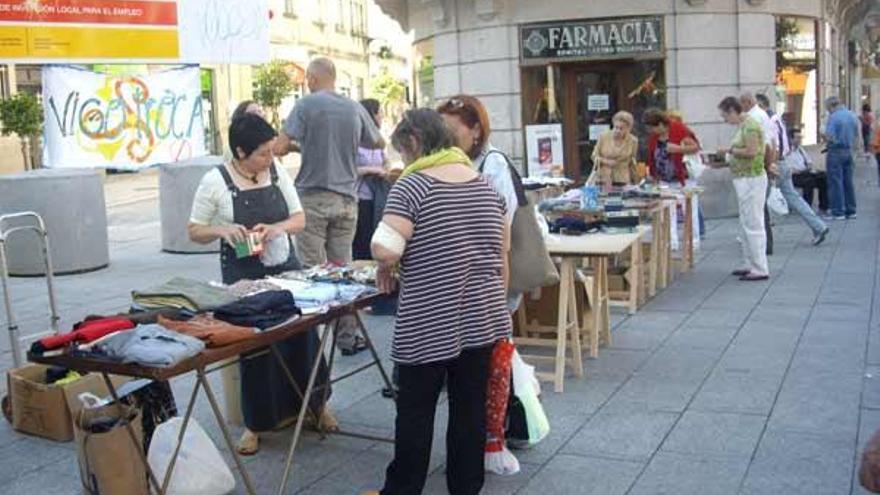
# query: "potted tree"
{"type": "Point", "coordinates": [22, 115]}
{"type": "Point", "coordinates": [273, 83]}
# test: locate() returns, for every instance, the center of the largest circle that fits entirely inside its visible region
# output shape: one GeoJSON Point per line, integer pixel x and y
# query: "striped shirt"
{"type": "Point", "coordinates": [452, 291]}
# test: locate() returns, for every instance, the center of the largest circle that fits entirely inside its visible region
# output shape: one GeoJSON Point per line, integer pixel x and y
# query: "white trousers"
{"type": "Point", "coordinates": [751, 194]}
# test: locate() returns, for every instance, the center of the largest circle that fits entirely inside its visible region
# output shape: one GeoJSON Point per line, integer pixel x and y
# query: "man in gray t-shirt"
{"type": "Point", "coordinates": [327, 128]}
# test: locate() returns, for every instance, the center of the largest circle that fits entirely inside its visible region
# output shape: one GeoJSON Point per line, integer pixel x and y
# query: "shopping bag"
{"type": "Point", "coordinates": [199, 470]}
{"type": "Point", "coordinates": [497, 458]}
{"type": "Point", "coordinates": [527, 423]}
{"type": "Point", "coordinates": [776, 202]}
{"type": "Point", "coordinates": [109, 462]}
{"type": "Point", "coordinates": [695, 165]}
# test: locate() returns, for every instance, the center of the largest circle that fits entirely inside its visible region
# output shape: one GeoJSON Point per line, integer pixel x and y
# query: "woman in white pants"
{"type": "Point", "coordinates": [746, 161]}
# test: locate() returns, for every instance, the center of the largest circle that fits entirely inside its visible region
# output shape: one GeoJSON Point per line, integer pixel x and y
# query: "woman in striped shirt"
{"type": "Point", "coordinates": [446, 228]}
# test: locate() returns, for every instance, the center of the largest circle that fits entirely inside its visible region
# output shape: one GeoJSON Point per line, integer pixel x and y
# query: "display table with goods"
{"type": "Point", "coordinates": [187, 327]}
{"type": "Point", "coordinates": [582, 299]}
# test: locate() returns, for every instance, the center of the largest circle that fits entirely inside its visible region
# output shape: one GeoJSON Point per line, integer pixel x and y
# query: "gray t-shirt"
{"type": "Point", "coordinates": [329, 127]}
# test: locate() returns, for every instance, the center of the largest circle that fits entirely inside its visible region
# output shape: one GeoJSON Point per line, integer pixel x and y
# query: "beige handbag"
{"type": "Point", "coordinates": [530, 264]}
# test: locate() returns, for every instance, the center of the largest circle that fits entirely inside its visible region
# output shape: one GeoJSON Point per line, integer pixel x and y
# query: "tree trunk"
{"type": "Point", "coordinates": [25, 154]}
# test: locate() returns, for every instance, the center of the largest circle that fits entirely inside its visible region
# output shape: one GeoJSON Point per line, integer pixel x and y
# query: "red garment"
{"type": "Point", "coordinates": [677, 133]}
{"type": "Point", "coordinates": [86, 332]}
{"type": "Point", "coordinates": [498, 394]}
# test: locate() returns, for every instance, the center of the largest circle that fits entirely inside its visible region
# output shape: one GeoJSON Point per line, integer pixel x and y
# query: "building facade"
{"type": "Point", "coordinates": [552, 73]}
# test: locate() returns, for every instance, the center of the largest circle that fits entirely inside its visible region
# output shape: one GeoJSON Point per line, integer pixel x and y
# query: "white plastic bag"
{"type": "Point", "coordinates": [695, 165]}
{"type": "Point", "coordinates": [200, 470]}
{"type": "Point", "coordinates": [527, 422]}
{"type": "Point", "coordinates": [776, 202]}
{"type": "Point", "coordinates": [276, 251]}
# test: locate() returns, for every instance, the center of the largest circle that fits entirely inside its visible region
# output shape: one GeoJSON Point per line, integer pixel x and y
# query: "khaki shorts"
{"type": "Point", "coordinates": [331, 221]}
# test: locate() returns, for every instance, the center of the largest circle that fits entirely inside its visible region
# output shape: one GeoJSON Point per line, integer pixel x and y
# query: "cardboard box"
{"type": "Point", "coordinates": [46, 410]}
{"type": "Point", "coordinates": [37, 408]}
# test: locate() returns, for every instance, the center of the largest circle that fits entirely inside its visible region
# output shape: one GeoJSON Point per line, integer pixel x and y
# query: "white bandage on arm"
{"type": "Point", "coordinates": [389, 239]}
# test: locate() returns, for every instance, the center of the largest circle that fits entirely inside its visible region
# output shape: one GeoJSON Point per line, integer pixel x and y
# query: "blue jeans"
{"type": "Point", "coordinates": [796, 202]}
{"type": "Point", "coordinates": [841, 192]}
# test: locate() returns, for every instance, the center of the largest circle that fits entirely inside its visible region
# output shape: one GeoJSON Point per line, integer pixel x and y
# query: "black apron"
{"type": "Point", "coordinates": [267, 399]}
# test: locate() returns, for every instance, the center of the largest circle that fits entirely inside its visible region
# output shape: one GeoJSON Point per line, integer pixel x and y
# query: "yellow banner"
{"type": "Point", "coordinates": [49, 42]}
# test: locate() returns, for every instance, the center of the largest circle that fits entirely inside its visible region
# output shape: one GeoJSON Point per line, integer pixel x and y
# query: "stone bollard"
{"type": "Point", "coordinates": [177, 188]}
{"type": "Point", "coordinates": [71, 202]}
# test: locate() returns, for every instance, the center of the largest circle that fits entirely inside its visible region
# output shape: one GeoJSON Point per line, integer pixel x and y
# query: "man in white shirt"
{"type": "Point", "coordinates": [750, 105]}
{"type": "Point", "coordinates": [805, 175]}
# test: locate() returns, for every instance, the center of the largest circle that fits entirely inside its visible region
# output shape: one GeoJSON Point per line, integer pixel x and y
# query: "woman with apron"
{"type": "Point", "coordinates": [251, 195]}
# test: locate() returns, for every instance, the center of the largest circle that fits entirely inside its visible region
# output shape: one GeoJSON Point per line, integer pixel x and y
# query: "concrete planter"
{"type": "Point", "coordinates": [177, 188]}
{"type": "Point", "coordinates": [71, 202]}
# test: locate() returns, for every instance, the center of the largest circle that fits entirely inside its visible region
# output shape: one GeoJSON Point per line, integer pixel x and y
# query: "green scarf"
{"type": "Point", "coordinates": [443, 157]}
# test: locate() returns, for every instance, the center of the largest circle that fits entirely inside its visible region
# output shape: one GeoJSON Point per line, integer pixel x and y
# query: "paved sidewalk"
{"type": "Point", "coordinates": [715, 387]}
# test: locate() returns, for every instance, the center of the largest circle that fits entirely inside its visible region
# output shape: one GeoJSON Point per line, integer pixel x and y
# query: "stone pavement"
{"type": "Point", "coordinates": [715, 387]}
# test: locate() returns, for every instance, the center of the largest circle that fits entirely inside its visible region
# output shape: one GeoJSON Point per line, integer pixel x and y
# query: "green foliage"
{"type": "Point", "coordinates": [389, 90]}
{"type": "Point", "coordinates": [272, 83]}
{"type": "Point", "coordinates": [21, 114]}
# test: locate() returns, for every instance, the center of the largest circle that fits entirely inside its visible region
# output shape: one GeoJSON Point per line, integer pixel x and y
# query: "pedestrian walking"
{"type": "Point", "coordinates": [614, 156]}
{"type": "Point", "coordinates": [771, 147]}
{"type": "Point", "coordinates": [784, 180]}
{"type": "Point", "coordinates": [842, 137]}
{"type": "Point", "coordinates": [746, 161]}
{"type": "Point", "coordinates": [327, 128]}
{"type": "Point", "coordinates": [252, 194]}
{"type": "Point", "coordinates": [445, 226]}
{"type": "Point", "coordinates": [866, 119]}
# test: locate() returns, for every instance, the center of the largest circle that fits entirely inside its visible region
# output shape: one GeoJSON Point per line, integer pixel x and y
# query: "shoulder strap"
{"type": "Point", "coordinates": [514, 177]}
{"type": "Point", "coordinates": [227, 178]}
{"type": "Point", "coordinates": [273, 172]}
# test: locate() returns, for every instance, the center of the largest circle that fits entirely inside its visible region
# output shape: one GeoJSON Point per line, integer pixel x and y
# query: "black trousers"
{"type": "Point", "coordinates": [809, 184]}
{"type": "Point", "coordinates": [363, 235]}
{"type": "Point", "coordinates": [467, 378]}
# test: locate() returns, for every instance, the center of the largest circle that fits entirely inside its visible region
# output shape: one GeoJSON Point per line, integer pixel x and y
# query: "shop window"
{"type": "Point", "coordinates": [797, 88]}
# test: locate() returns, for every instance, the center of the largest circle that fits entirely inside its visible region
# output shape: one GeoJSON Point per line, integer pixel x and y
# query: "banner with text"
{"type": "Point", "coordinates": [121, 121]}
{"type": "Point", "coordinates": [146, 31]}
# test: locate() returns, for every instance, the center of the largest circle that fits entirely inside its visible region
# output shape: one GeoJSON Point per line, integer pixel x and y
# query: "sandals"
{"type": "Point", "coordinates": [249, 443]}
{"type": "Point", "coordinates": [753, 277]}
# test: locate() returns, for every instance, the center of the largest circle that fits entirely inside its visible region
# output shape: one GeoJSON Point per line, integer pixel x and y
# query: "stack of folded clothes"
{"type": "Point", "coordinates": [150, 345]}
{"type": "Point", "coordinates": [213, 332]}
{"type": "Point", "coordinates": [182, 293]}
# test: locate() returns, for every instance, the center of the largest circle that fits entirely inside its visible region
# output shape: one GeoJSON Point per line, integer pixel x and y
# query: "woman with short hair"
{"type": "Point", "coordinates": [250, 194]}
{"type": "Point", "coordinates": [445, 227]}
{"type": "Point", "coordinates": [614, 156]}
{"type": "Point", "coordinates": [745, 157]}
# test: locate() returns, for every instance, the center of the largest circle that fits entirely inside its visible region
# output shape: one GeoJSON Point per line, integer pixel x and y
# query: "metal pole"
{"type": "Point", "coordinates": [14, 343]}
{"type": "Point", "coordinates": [50, 276]}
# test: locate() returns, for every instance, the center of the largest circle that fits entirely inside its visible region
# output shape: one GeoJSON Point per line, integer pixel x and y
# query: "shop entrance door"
{"type": "Point", "coordinates": [592, 94]}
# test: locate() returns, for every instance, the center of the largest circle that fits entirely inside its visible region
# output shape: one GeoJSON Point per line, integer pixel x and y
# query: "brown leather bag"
{"type": "Point", "coordinates": [869, 471]}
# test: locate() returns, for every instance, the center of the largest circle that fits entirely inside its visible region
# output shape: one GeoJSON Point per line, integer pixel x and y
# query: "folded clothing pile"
{"type": "Point", "coordinates": [150, 345]}
{"type": "Point", "coordinates": [192, 295]}
{"type": "Point", "coordinates": [263, 310]}
{"type": "Point", "coordinates": [83, 333]}
{"type": "Point", "coordinates": [214, 332]}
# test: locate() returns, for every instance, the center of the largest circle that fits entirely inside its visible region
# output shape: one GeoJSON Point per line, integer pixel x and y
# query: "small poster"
{"type": "Point", "coordinates": [597, 130]}
{"type": "Point", "coordinates": [544, 149]}
{"type": "Point", "coordinates": [598, 103]}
